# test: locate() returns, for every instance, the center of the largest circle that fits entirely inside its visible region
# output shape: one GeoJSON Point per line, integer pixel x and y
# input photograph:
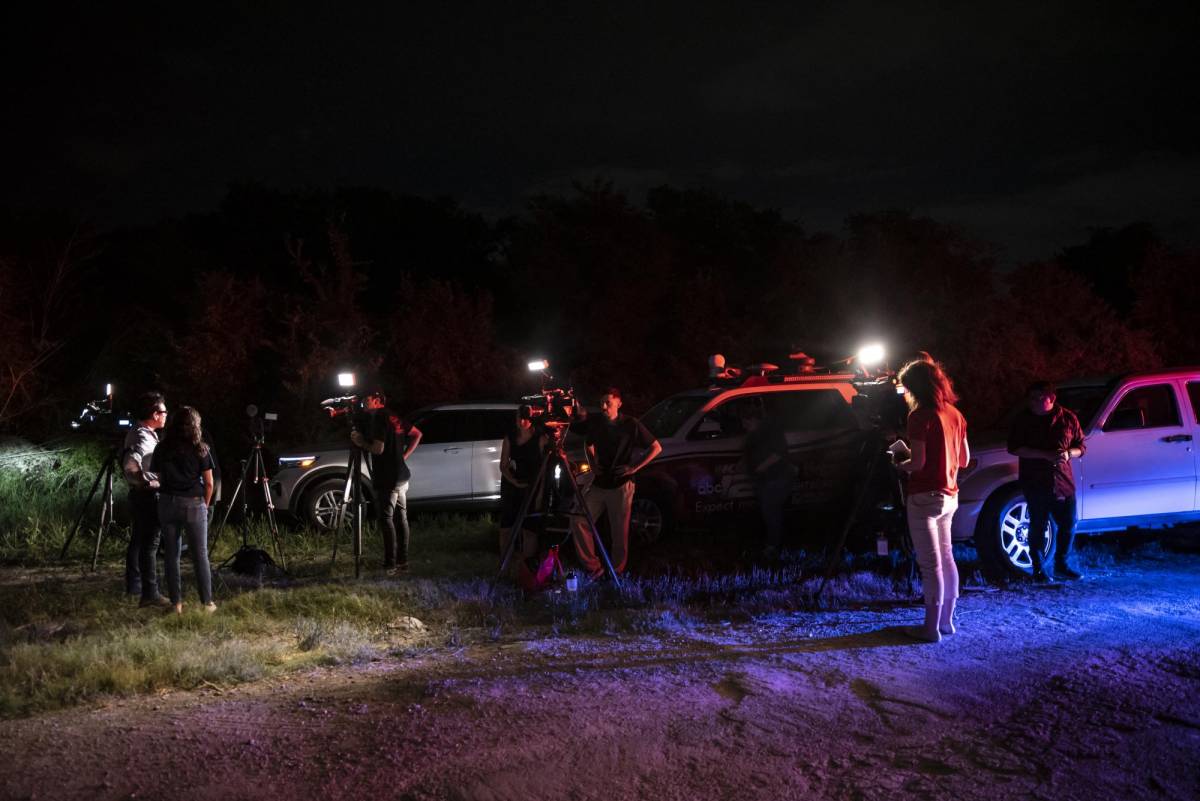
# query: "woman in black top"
{"type": "Point", "coordinates": [185, 475]}
{"type": "Point", "coordinates": [520, 458]}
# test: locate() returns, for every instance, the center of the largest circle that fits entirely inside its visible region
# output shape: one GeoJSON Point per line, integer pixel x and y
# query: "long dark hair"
{"type": "Point", "coordinates": [927, 384]}
{"type": "Point", "coordinates": [182, 433]}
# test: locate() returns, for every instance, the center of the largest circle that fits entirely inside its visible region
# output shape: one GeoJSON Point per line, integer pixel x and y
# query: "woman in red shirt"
{"type": "Point", "coordinates": [937, 434]}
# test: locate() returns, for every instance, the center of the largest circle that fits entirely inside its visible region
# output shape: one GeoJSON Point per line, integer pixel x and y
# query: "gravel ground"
{"type": "Point", "coordinates": [1086, 691]}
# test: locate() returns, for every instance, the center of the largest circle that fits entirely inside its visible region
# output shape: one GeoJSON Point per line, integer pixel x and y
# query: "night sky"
{"type": "Point", "coordinates": [1028, 124]}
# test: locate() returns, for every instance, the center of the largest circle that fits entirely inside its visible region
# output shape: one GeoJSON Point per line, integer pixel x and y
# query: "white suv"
{"type": "Point", "coordinates": [456, 466]}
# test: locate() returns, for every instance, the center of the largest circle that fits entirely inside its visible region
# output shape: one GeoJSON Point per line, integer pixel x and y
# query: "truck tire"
{"type": "Point", "coordinates": [1002, 535]}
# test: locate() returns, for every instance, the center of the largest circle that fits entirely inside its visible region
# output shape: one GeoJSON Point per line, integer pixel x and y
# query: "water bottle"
{"type": "Point", "coordinates": [572, 582]}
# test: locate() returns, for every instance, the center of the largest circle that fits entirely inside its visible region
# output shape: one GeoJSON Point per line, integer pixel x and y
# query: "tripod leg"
{"type": "Point", "coordinates": [587, 513]}
{"type": "Point", "coordinates": [272, 526]}
{"type": "Point", "coordinates": [106, 513]}
{"type": "Point", "coordinates": [240, 488]}
{"type": "Point", "coordinates": [852, 518]}
{"type": "Point", "coordinates": [353, 466]}
{"type": "Point", "coordinates": [83, 509]}
{"type": "Point", "coordinates": [519, 523]}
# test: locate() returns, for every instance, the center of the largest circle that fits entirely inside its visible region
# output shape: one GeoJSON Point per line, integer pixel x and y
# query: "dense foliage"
{"type": "Point", "coordinates": [265, 299]}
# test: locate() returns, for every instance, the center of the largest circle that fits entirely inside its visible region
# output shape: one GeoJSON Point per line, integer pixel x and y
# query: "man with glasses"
{"type": "Point", "coordinates": [141, 558]}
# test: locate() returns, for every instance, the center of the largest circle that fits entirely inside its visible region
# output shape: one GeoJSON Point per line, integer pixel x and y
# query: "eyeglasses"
{"type": "Point", "coordinates": [160, 411]}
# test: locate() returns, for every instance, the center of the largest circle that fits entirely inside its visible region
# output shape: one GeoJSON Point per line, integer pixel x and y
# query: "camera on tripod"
{"type": "Point", "coordinates": [97, 416]}
{"type": "Point", "coordinates": [554, 407]}
{"type": "Point", "coordinates": [259, 423]}
{"type": "Point", "coordinates": [353, 406]}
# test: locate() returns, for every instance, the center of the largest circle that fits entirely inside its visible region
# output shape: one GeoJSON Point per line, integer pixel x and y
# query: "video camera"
{"type": "Point", "coordinates": [345, 404]}
{"type": "Point", "coordinates": [552, 407]}
{"type": "Point", "coordinates": [97, 417]}
{"type": "Point", "coordinates": [259, 423]}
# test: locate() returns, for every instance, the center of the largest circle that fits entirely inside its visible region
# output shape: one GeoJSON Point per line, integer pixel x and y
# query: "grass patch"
{"type": "Point", "coordinates": [67, 636]}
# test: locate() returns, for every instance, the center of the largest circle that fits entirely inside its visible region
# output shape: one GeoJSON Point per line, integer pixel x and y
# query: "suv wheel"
{"type": "Point", "coordinates": [1002, 535]}
{"type": "Point", "coordinates": [321, 503]}
{"type": "Point", "coordinates": [649, 520]}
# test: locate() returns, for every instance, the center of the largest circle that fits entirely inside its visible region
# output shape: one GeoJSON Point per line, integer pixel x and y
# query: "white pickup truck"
{"type": "Point", "coordinates": [1140, 469]}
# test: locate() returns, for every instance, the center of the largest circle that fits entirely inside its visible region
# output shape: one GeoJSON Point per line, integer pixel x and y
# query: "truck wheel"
{"type": "Point", "coordinates": [1002, 535]}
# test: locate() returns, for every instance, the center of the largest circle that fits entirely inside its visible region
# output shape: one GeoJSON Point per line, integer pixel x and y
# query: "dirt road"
{"type": "Point", "coordinates": [1090, 691]}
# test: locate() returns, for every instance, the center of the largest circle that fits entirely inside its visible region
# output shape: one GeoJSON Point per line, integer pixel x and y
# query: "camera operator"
{"type": "Point", "coordinates": [611, 440]}
{"type": "Point", "coordinates": [391, 441]}
{"type": "Point", "coordinates": [141, 557]}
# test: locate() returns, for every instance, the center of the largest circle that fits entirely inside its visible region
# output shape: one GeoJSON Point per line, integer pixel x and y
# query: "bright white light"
{"type": "Point", "coordinates": [871, 355]}
{"type": "Point", "coordinates": [345, 379]}
{"type": "Point", "coordinates": [108, 390]}
{"type": "Point", "coordinates": [539, 364]}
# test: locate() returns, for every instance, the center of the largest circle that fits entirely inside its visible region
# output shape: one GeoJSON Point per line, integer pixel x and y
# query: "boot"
{"type": "Point", "coordinates": [1040, 574]}
{"type": "Point", "coordinates": [929, 631]}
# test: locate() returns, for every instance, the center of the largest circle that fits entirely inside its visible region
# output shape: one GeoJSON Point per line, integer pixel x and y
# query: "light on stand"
{"type": "Point", "coordinates": [871, 355]}
{"type": "Point", "coordinates": [538, 364]}
{"type": "Point", "coordinates": [345, 379]}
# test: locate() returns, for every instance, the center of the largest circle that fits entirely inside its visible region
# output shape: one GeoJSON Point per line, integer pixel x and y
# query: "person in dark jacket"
{"type": "Point", "coordinates": [184, 466]}
{"type": "Point", "coordinates": [1046, 437]}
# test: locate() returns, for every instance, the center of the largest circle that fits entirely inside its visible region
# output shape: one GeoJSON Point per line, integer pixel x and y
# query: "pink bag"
{"type": "Point", "coordinates": [536, 580]}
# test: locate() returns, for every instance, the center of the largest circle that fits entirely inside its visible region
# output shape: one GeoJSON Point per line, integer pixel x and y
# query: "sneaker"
{"type": "Point", "coordinates": [397, 569]}
{"type": "Point", "coordinates": [1063, 571]}
{"type": "Point", "coordinates": [210, 607]}
{"type": "Point", "coordinates": [159, 600]}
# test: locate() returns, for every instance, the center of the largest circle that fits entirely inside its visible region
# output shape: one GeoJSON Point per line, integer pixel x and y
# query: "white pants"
{"type": "Point", "coordinates": [929, 516]}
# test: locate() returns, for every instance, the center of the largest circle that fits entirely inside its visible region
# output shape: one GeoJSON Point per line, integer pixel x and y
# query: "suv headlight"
{"type": "Point", "coordinates": [302, 462]}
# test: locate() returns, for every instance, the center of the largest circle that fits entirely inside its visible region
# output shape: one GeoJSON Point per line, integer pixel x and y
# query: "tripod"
{"type": "Point", "coordinates": [254, 472]}
{"type": "Point", "coordinates": [878, 469]}
{"type": "Point", "coordinates": [105, 475]}
{"type": "Point", "coordinates": [555, 456]}
{"type": "Point", "coordinates": [352, 493]}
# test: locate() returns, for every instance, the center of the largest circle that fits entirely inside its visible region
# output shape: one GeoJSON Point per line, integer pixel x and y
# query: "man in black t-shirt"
{"type": "Point", "coordinates": [1046, 437]}
{"type": "Point", "coordinates": [391, 441]}
{"type": "Point", "coordinates": [612, 438]}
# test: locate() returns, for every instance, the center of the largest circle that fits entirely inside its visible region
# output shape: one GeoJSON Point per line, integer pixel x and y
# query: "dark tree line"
{"type": "Point", "coordinates": [267, 298]}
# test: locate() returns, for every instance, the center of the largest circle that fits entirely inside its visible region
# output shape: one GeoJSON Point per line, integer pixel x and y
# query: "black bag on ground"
{"type": "Point", "coordinates": [252, 562]}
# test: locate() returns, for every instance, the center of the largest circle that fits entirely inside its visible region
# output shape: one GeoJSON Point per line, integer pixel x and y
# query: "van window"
{"type": "Point", "coordinates": [1145, 407]}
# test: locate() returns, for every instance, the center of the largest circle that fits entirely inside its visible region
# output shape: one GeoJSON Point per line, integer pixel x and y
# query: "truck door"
{"type": "Point", "coordinates": [1193, 394]}
{"type": "Point", "coordinates": [1139, 459]}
